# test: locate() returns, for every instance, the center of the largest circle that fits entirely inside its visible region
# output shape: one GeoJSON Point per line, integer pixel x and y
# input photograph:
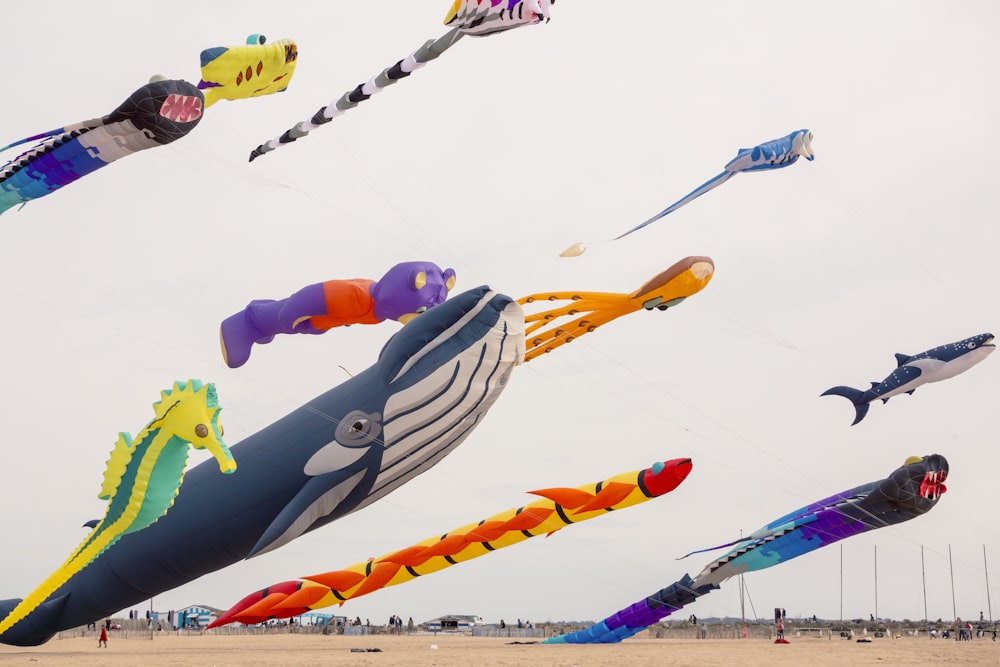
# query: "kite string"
{"type": "Point", "coordinates": [700, 412]}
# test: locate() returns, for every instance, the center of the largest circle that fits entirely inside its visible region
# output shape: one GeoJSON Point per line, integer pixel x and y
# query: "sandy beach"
{"type": "Point", "coordinates": [444, 651]}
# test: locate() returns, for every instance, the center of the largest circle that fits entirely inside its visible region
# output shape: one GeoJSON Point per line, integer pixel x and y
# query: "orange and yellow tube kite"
{"type": "Point", "coordinates": [558, 507]}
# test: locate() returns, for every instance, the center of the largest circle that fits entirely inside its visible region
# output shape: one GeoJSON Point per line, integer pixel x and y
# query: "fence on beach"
{"type": "Point", "coordinates": [142, 630]}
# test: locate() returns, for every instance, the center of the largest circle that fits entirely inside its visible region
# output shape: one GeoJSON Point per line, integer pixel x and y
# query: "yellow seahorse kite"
{"type": "Point", "coordinates": [143, 477]}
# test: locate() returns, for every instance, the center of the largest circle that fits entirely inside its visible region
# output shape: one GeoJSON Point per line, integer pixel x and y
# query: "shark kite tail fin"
{"type": "Point", "coordinates": [854, 396]}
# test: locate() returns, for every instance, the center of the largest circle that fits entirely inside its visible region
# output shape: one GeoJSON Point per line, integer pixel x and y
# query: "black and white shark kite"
{"type": "Point", "coordinates": [939, 363]}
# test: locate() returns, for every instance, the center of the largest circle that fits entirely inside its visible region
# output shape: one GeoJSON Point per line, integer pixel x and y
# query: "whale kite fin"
{"type": "Point", "coordinates": [314, 500]}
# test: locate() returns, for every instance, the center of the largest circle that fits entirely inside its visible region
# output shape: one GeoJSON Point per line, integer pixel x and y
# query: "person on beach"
{"type": "Point", "coordinates": [102, 641]}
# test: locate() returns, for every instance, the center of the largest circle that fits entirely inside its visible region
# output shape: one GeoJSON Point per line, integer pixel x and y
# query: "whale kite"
{"type": "Point", "coordinates": [433, 383]}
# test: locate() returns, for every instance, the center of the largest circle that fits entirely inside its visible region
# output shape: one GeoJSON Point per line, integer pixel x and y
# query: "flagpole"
{"type": "Point", "coordinates": [743, 614]}
{"type": "Point", "coordinates": [876, 586]}
{"type": "Point", "coordinates": [986, 569]}
{"type": "Point", "coordinates": [951, 568]}
{"type": "Point", "coordinates": [841, 583]}
{"type": "Point", "coordinates": [923, 576]}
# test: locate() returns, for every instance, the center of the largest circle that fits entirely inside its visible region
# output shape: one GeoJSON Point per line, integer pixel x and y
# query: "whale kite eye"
{"type": "Point", "coordinates": [359, 429]}
{"type": "Point", "coordinates": [201, 430]}
{"type": "Point", "coordinates": [421, 309]}
{"type": "Point", "coordinates": [971, 346]}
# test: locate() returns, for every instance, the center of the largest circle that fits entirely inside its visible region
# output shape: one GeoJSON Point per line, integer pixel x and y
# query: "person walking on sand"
{"type": "Point", "coordinates": [102, 641]}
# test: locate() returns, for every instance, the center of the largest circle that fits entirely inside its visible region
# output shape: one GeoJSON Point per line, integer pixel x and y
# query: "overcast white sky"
{"type": "Point", "coordinates": [491, 160]}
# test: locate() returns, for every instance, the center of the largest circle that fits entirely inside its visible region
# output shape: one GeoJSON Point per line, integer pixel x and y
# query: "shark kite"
{"type": "Point", "coordinates": [934, 365]}
{"type": "Point", "coordinates": [909, 491]}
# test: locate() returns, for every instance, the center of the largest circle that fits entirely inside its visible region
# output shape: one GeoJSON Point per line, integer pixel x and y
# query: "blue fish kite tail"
{"type": "Point", "coordinates": [711, 184]}
{"type": "Point", "coordinates": [855, 396]}
{"type": "Point", "coordinates": [707, 549]}
{"type": "Point", "coordinates": [88, 124]}
{"type": "Point", "coordinates": [634, 619]}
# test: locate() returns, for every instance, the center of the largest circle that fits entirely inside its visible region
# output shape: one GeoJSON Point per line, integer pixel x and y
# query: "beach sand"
{"type": "Point", "coordinates": [304, 650]}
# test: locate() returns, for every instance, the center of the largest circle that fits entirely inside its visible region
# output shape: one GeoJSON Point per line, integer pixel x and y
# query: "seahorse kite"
{"type": "Point", "coordinates": [143, 477]}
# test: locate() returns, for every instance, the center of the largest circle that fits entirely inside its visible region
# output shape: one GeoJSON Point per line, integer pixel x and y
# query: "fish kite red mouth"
{"type": "Point", "coordinates": [181, 108]}
{"type": "Point", "coordinates": [932, 486]}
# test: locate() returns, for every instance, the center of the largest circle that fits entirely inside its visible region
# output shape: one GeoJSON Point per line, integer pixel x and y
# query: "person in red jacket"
{"type": "Point", "coordinates": [102, 641]}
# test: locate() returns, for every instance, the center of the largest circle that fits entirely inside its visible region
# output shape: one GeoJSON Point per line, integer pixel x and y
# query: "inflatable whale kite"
{"type": "Point", "coordinates": [433, 383]}
{"type": "Point", "coordinates": [343, 450]}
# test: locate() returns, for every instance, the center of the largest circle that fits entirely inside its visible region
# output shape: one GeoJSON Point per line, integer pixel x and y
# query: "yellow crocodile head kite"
{"type": "Point", "coordinates": [250, 70]}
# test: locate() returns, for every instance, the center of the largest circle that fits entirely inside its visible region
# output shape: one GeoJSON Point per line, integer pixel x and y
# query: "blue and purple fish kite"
{"type": "Point", "coordinates": [156, 114]}
{"type": "Point", "coordinates": [911, 490]}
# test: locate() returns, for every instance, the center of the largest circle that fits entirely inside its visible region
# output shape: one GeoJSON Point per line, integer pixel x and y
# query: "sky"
{"type": "Point", "coordinates": [492, 160]}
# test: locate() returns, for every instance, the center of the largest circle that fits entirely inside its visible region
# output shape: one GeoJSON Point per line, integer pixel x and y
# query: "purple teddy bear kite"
{"type": "Point", "coordinates": [404, 292]}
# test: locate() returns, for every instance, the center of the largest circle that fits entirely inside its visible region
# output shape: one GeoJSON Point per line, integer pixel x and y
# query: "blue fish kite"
{"type": "Point", "coordinates": [939, 363]}
{"type": "Point", "coordinates": [770, 155]}
{"type": "Point", "coordinates": [910, 491]}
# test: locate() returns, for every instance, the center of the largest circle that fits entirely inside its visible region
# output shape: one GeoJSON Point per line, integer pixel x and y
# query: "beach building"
{"type": "Point", "coordinates": [453, 623]}
{"type": "Point", "coordinates": [319, 618]}
{"type": "Point", "coordinates": [196, 616]}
